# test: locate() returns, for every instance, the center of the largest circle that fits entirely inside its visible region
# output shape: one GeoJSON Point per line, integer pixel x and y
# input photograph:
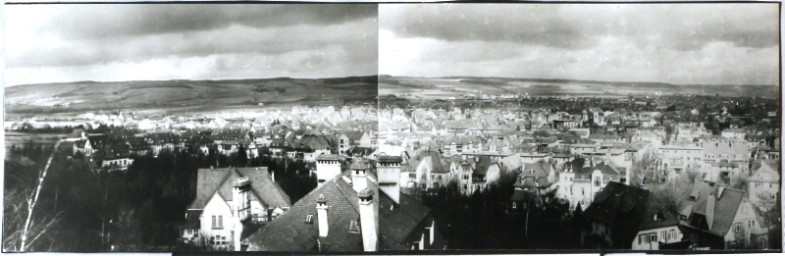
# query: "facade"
{"type": "Point", "coordinates": [716, 217]}
{"type": "Point", "coordinates": [615, 217]}
{"type": "Point", "coordinates": [344, 214]}
{"type": "Point", "coordinates": [213, 218]}
{"type": "Point", "coordinates": [763, 185]}
{"type": "Point", "coordinates": [580, 183]}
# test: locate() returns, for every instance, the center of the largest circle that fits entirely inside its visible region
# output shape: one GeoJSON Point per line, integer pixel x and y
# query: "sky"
{"type": "Point", "coordinates": [672, 43]}
{"type": "Point", "coordinates": [120, 42]}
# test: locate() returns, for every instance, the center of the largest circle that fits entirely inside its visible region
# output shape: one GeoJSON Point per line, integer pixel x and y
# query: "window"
{"type": "Point", "coordinates": [514, 205]}
{"type": "Point", "coordinates": [653, 237]}
{"type": "Point", "coordinates": [673, 234]}
{"type": "Point", "coordinates": [737, 227]}
{"type": "Point", "coordinates": [663, 234]}
{"type": "Point", "coordinates": [215, 224]}
{"type": "Point", "coordinates": [309, 219]}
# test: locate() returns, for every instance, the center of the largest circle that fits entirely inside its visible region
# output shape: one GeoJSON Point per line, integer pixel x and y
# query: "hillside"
{"type": "Point", "coordinates": [458, 86]}
{"type": "Point", "coordinates": [184, 95]}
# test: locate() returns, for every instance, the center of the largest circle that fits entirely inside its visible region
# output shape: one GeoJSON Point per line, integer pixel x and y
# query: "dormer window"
{"type": "Point", "coordinates": [353, 227]}
{"type": "Point", "coordinates": [309, 219]}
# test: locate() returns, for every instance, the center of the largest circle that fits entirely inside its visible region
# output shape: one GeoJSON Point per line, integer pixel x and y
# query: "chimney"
{"type": "Point", "coordinates": [388, 170]}
{"type": "Point", "coordinates": [321, 212]}
{"type": "Point", "coordinates": [242, 207]}
{"type": "Point", "coordinates": [359, 179]}
{"type": "Point", "coordinates": [711, 200]}
{"type": "Point", "coordinates": [367, 220]}
{"type": "Point", "coordinates": [327, 167]}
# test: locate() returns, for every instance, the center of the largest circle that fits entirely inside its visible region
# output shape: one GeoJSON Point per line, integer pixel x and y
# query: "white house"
{"type": "Point", "coordinates": [212, 216]}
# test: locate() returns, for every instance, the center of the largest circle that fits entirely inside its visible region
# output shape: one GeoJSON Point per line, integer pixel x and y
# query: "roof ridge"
{"type": "Point", "coordinates": [345, 196]}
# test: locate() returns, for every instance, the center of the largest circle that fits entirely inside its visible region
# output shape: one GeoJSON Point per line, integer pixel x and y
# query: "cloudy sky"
{"type": "Point", "coordinates": [58, 43]}
{"type": "Point", "coordinates": [674, 43]}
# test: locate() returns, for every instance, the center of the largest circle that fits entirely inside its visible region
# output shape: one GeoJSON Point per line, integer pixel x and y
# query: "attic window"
{"type": "Point", "coordinates": [353, 227]}
{"type": "Point", "coordinates": [309, 219]}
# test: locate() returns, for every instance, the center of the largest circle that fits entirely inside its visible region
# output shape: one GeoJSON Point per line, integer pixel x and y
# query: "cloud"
{"type": "Point", "coordinates": [96, 42]}
{"type": "Point", "coordinates": [674, 43]}
{"type": "Point", "coordinates": [574, 26]}
{"type": "Point", "coordinates": [92, 21]}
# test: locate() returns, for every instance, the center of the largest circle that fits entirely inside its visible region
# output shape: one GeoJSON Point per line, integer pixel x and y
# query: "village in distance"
{"type": "Point", "coordinates": [390, 163]}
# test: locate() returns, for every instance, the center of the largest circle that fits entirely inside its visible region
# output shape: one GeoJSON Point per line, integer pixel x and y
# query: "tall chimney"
{"type": "Point", "coordinates": [242, 207]}
{"type": "Point", "coordinates": [321, 212]}
{"type": "Point", "coordinates": [359, 179]}
{"type": "Point", "coordinates": [388, 169]}
{"type": "Point", "coordinates": [710, 202]}
{"type": "Point", "coordinates": [368, 220]}
{"type": "Point", "coordinates": [327, 167]}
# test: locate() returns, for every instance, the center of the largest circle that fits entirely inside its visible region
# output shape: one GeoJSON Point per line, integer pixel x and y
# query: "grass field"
{"type": "Point", "coordinates": [458, 86]}
{"type": "Point", "coordinates": [180, 95]}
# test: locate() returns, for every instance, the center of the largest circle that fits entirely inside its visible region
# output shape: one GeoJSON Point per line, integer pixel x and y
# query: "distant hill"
{"type": "Point", "coordinates": [186, 95]}
{"type": "Point", "coordinates": [461, 85]}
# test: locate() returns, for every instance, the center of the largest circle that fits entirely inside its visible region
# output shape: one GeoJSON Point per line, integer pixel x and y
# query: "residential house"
{"type": "Point", "coordinates": [716, 217]}
{"type": "Point", "coordinates": [659, 228]}
{"type": "Point", "coordinates": [614, 218]}
{"type": "Point", "coordinates": [345, 214]}
{"type": "Point", "coordinates": [763, 185]}
{"type": "Point", "coordinates": [580, 182]}
{"type": "Point", "coordinates": [213, 215]}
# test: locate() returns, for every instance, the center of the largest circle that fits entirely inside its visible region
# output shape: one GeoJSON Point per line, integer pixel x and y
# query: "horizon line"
{"type": "Point", "coordinates": [387, 75]}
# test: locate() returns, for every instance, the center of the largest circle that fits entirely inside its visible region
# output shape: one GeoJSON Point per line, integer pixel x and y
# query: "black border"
{"type": "Point", "coordinates": [465, 251]}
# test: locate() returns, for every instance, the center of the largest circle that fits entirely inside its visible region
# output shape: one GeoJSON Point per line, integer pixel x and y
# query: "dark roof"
{"type": "Point", "coordinates": [329, 157]}
{"type": "Point", "coordinates": [211, 181]}
{"type": "Point", "coordinates": [388, 159]}
{"type": "Point", "coordinates": [621, 208]}
{"type": "Point", "coordinates": [400, 223]}
{"type": "Point", "coordinates": [362, 151]}
{"type": "Point", "coordinates": [725, 208]}
{"type": "Point", "coordinates": [657, 205]}
{"type": "Point", "coordinates": [290, 232]}
{"type": "Point", "coordinates": [483, 163]}
{"type": "Point", "coordinates": [313, 142]}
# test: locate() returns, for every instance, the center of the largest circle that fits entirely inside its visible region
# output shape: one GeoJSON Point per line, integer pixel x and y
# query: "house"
{"type": "Point", "coordinates": [83, 146]}
{"type": "Point", "coordinates": [351, 213]}
{"type": "Point", "coordinates": [349, 139]}
{"type": "Point", "coordinates": [734, 134]}
{"type": "Point", "coordinates": [763, 184]}
{"type": "Point", "coordinates": [615, 217]}
{"type": "Point", "coordinates": [580, 182]}
{"type": "Point", "coordinates": [484, 172]}
{"type": "Point", "coordinates": [736, 151]}
{"type": "Point", "coordinates": [213, 217]}
{"type": "Point", "coordinates": [405, 223]}
{"type": "Point", "coordinates": [659, 228]}
{"type": "Point", "coordinates": [680, 157]}
{"type": "Point", "coordinates": [115, 157]}
{"type": "Point", "coordinates": [536, 178]}
{"type": "Point", "coordinates": [716, 217]}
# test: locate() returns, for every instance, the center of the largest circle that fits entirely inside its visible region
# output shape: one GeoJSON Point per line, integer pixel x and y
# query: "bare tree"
{"type": "Point", "coordinates": [41, 227]}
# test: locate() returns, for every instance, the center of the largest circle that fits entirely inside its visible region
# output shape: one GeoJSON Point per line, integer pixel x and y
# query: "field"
{"type": "Point", "coordinates": [416, 87]}
{"type": "Point", "coordinates": [186, 96]}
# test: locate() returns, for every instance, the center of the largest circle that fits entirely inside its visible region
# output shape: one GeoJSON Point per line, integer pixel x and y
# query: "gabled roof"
{"type": "Point", "coordinates": [725, 208]}
{"type": "Point", "coordinates": [482, 165]}
{"type": "Point", "coordinates": [211, 181]}
{"type": "Point", "coordinates": [400, 222]}
{"type": "Point", "coordinates": [657, 205]}
{"type": "Point", "coordinates": [291, 232]}
{"type": "Point", "coordinates": [765, 165]}
{"type": "Point", "coordinates": [620, 207]}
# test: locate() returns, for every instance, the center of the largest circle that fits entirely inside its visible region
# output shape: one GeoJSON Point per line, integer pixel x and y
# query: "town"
{"type": "Point", "coordinates": [626, 173]}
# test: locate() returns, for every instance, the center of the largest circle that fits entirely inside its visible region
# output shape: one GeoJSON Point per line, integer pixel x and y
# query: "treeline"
{"type": "Point", "coordinates": [140, 209]}
{"type": "Point", "coordinates": [486, 220]}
